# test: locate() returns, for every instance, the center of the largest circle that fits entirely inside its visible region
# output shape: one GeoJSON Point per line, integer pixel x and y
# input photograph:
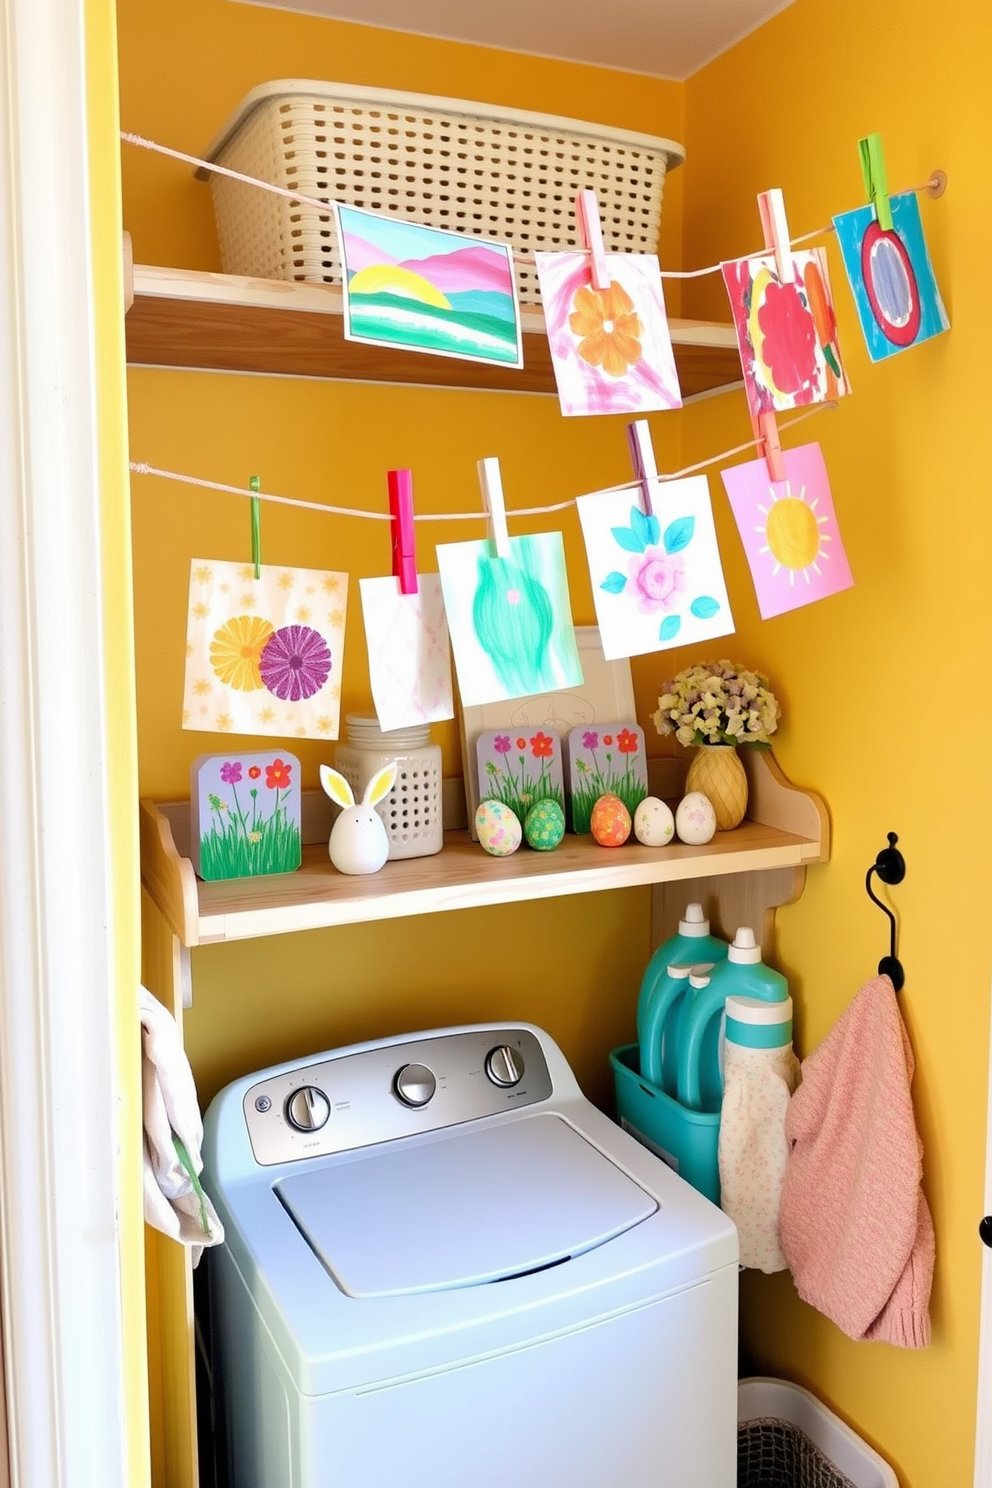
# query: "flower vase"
{"type": "Point", "coordinates": [717, 771]}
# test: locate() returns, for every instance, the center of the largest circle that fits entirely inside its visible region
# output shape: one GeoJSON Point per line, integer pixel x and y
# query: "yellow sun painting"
{"type": "Point", "coordinates": [789, 531]}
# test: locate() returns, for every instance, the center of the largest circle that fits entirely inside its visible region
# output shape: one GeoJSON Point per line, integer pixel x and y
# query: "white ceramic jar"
{"type": "Point", "coordinates": [412, 810]}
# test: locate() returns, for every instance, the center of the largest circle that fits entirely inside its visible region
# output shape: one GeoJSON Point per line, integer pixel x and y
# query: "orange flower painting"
{"type": "Point", "coordinates": [611, 348]}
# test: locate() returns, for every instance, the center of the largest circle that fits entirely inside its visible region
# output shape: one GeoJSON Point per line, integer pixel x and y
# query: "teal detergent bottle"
{"type": "Point", "coordinates": [662, 993]}
{"type": "Point", "coordinates": [699, 1074]}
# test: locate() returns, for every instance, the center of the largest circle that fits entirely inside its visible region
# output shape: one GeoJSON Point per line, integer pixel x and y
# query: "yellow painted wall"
{"type": "Point", "coordinates": [333, 442]}
{"type": "Point", "coordinates": [108, 309]}
{"type": "Point", "coordinates": [884, 687]}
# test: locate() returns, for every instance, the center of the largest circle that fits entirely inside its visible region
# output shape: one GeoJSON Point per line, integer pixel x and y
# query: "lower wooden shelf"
{"type": "Point", "coordinates": [229, 323]}
{"type": "Point", "coordinates": [786, 828]}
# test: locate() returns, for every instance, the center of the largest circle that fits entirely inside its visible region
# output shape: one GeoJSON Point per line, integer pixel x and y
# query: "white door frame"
{"type": "Point", "coordinates": [61, 1274]}
{"type": "Point", "coordinates": [983, 1430]}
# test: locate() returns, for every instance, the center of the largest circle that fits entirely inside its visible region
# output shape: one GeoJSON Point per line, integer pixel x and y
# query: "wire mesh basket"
{"type": "Point", "coordinates": [499, 175]}
{"type": "Point", "coordinates": [786, 1438]}
{"type": "Point", "coordinates": [775, 1454]}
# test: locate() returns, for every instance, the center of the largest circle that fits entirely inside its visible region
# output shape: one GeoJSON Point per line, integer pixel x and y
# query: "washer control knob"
{"type": "Point", "coordinates": [307, 1109]}
{"type": "Point", "coordinates": [415, 1084]}
{"type": "Point", "coordinates": [505, 1066]}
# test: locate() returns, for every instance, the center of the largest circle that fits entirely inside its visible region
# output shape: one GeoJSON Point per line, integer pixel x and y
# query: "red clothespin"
{"type": "Point", "coordinates": [400, 484]}
{"type": "Point", "coordinates": [492, 496]}
{"type": "Point", "coordinates": [642, 456]}
{"type": "Point", "coordinates": [591, 236]}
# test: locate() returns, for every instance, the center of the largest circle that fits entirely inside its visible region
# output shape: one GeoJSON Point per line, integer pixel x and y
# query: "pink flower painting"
{"type": "Point", "coordinates": [656, 575]}
{"type": "Point", "coordinates": [611, 348]}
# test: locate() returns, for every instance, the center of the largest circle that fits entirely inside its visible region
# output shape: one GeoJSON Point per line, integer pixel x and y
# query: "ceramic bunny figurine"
{"type": "Point", "coordinates": [358, 842]}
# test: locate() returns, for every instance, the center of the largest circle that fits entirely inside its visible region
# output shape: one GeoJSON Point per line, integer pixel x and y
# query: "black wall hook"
{"type": "Point", "coordinates": [890, 865]}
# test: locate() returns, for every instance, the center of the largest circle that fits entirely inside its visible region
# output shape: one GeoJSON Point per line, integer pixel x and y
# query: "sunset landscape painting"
{"type": "Point", "coordinates": [424, 289]}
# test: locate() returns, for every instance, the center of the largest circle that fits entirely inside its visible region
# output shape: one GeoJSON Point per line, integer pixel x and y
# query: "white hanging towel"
{"type": "Point", "coordinates": [752, 1149]}
{"type": "Point", "coordinates": [175, 1202]}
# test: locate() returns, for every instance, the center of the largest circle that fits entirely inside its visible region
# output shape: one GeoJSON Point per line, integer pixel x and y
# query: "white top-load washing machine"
{"type": "Point", "coordinates": [445, 1266]}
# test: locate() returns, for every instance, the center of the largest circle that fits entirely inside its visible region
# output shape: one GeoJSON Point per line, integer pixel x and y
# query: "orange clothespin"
{"type": "Point", "coordinates": [769, 445]}
{"type": "Point", "coordinates": [492, 496]}
{"type": "Point", "coordinates": [591, 236]}
{"type": "Point", "coordinates": [642, 456]}
{"type": "Point", "coordinates": [400, 483]}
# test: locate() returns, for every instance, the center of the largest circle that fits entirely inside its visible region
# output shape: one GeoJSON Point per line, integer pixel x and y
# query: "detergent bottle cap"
{"type": "Point", "coordinates": [699, 976]}
{"type": "Point", "coordinates": [743, 950]}
{"type": "Point", "coordinates": [679, 972]}
{"type": "Point", "coordinates": [695, 923]}
{"type": "Point", "coordinates": [756, 1010]}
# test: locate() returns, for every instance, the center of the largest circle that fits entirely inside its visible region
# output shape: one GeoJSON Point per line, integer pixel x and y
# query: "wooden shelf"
{"type": "Point", "coordinates": [787, 828]}
{"type": "Point", "coordinates": [223, 322]}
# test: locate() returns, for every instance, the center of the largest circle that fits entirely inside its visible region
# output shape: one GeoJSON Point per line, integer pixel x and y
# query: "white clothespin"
{"type": "Point", "coordinates": [492, 497]}
{"type": "Point", "coordinates": [645, 465]}
{"type": "Point", "coordinates": [591, 237]}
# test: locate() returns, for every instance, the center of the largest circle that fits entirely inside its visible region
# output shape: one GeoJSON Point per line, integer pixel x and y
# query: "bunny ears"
{"type": "Point", "coordinates": [340, 791]}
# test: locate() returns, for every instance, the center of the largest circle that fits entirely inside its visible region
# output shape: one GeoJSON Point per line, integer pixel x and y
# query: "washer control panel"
{"type": "Point", "coordinates": [393, 1090]}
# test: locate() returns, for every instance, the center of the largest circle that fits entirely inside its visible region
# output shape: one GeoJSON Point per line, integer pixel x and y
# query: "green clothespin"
{"type": "Point", "coordinates": [255, 484]}
{"type": "Point", "coordinates": [876, 185]}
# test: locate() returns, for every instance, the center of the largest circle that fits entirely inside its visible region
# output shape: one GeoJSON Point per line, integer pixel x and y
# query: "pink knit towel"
{"type": "Point", "coordinates": [854, 1225]}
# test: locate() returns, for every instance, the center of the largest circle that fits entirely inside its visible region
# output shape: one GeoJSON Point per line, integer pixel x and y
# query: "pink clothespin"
{"type": "Point", "coordinates": [400, 483]}
{"type": "Point", "coordinates": [642, 456]}
{"type": "Point", "coordinates": [591, 236]}
{"type": "Point", "coordinates": [492, 497]}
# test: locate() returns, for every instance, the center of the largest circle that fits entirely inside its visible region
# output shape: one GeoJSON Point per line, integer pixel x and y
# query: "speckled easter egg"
{"type": "Point", "coordinates": [610, 821]}
{"type": "Point", "coordinates": [544, 825]}
{"type": "Point", "coordinates": [498, 828]}
{"type": "Point", "coordinates": [654, 824]}
{"type": "Point", "coordinates": [695, 819]}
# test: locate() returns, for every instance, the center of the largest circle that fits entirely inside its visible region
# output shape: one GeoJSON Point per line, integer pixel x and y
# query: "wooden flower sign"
{"type": "Point", "coordinates": [245, 814]}
{"type": "Point", "coordinates": [263, 655]}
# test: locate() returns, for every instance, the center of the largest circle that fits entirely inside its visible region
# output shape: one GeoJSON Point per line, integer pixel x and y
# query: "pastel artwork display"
{"type": "Point", "coordinates": [611, 349]}
{"type": "Point", "coordinates": [607, 760]}
{"type": "Point", "coordinates": [510, 618]}
{"type": "Point", "coordinates": [409, 659]}
{"type": "Point", "coordinates": [789, 531]}
{"type": "Point", "coordinates": [263, 655]}
{"type": "Point", "coordinates": [657, 579]}
{"type": "Point", "coordinates": [245, 814]}
{"type": "Point", "coordinates": [786, 331]}
{"type": "Point", "coordinates": [359, 842]}
{"type": "Point", "coordinates": [427, 290]}
{"type": "Point", "coordinates": [891, 277]}
{"type": "Point", "coordinates": [520, 767]}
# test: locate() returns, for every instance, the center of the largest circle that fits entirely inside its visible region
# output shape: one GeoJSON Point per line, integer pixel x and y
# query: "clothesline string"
{"type": "Point", "coordinates": [518, 256]}
{"type": "Point", "coordinates": [143, 468]}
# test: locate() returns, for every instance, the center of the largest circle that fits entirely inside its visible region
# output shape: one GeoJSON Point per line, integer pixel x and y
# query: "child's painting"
{"type": "Point", "coordinates": [789, 531]}
{"type": "Point", "coordinates": [409, 657]}
{"type": "Point", "coordinates": [263, 656]}
{"type": "Point", "coordinates": [891, 277]}
{"type": "Point", "coordinates": [520, 767]}
{"type": "Point", "coordinates": [245, 814]}
{"type": "Point", "coordinates": [510, 619]}
{"type": "Point", "coordinates": [657, 580]}
{"type": "Point", "coordinates": [423, 289]}
{"type": "Point", "coordinates": [786, 331]}
{"type": "Point", "coordinates": [607, 760]}
{"type": "Point", "coordinates": [611, 348]}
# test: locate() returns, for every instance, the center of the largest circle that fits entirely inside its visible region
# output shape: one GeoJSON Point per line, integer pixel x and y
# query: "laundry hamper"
{"type": "Point", "coordinates": [786, 1438]}
{"type": "Point", "coordinates": [497, 174]}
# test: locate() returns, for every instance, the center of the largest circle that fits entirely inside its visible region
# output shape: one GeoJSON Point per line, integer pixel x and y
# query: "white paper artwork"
{"type": "Point", "coordinates": [409, 657]}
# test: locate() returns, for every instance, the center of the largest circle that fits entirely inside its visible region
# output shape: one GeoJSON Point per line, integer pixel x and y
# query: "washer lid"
{"type": "Point", "coordinates": [463, 1209]}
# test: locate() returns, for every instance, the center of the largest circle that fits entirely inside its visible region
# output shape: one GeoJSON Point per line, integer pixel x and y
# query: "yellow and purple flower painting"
{"type": "Point", "coordinates": [789, 531]}
{"type": "Point", "coordinates": [611, 348]}
{"type": "Point", "coordinates": [786, 331]}
{"type": "Point", "coordinates": [263, 656]}
{"type": "Point", "coordinates": [657, 580]}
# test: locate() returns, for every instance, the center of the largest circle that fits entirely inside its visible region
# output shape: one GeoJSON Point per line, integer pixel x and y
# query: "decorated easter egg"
{"type": "Point", "coordinates": [654, 824]}
{"type": "Point", "coordinates": [610, 821]}
{"type": "Point", "coordinates": [544, 825]}
{"type": "Point", "coordinates": [695, 819]}
{"type": "Point", "coordinates": [498, 828]}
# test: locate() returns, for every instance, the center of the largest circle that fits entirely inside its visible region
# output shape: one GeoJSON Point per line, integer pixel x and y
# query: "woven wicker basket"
{"type": "Point", "coordinates": [466, 167]}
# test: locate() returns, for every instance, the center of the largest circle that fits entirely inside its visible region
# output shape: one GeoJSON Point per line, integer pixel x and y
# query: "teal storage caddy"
{"type": "Point", "coordinates": [686, 1140]}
